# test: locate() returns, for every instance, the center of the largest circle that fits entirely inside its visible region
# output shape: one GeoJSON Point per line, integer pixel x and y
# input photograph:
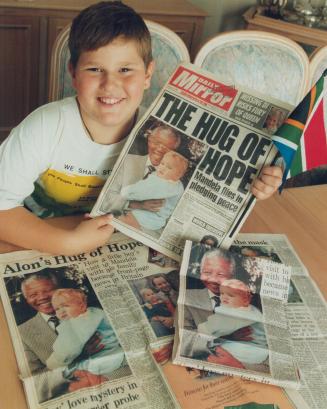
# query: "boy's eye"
{"type": "Point", "coordinates": [125, 69]}
{"type": "Point", "coordinates": [94, 69]}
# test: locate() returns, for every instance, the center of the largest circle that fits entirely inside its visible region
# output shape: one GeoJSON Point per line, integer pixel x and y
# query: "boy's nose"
{"type": "Point", "coordinates": [109, 82]}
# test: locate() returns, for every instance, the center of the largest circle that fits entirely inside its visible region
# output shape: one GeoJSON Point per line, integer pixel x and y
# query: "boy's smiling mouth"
{"type": "Point", "coordinates": [110, 101]}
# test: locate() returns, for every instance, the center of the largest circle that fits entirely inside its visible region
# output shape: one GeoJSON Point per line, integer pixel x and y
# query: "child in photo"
{"type": "Point", "coordinates": [236, 312]}
{"type": "Point", "coordinates": [77, 324]}
{"type": "Point", "coordinates": [155, 305]}
{"type": "Point", "coordinates": [158, 311]}
{"type": "Point", "coordinates": [163, 183]}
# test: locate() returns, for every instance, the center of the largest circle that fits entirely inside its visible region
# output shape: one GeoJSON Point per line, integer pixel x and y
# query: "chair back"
{"type": "Point", "coordinates": [268, 63]}
{"type": "Point", "coordinates": [318, 64]}
{"type": "Point", "coordinates": [168, 51]}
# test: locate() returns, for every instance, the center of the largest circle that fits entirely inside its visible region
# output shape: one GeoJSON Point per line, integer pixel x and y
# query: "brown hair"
{"type": "Point", "coordinates": [102, 23]}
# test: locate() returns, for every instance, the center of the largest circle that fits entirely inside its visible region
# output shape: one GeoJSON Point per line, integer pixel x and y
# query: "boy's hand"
{"type": "Point", "coordinates": [89, 234]}
{"type": "Point", "coordinates": [267, 182]}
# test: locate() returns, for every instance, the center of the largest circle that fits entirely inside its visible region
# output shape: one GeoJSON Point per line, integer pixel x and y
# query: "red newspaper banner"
{"type": "Point", "coordinates": [208, 91]}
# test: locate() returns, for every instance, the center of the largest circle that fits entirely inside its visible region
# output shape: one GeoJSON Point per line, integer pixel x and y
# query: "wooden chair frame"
{"type": "Point", "coordinates": [264, 38]}
{"type": "Point", "coordinates": [318, 63]}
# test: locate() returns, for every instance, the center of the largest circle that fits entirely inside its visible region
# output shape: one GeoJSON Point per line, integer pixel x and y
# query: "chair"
{"type": "Point", "coordinates": [268, 63]}
{"type": "Point", "coordinates": [168, 51]}
{"type": "Point", "coordinates": [318, 64]}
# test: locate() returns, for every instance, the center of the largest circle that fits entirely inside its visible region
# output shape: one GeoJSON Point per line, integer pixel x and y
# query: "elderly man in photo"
{"type": "Point", "coordinates": [38, 335]}
{"type": "Point", "coordinates": [216, 267]}
{"type": "Point", "coordinates": [143, 159]}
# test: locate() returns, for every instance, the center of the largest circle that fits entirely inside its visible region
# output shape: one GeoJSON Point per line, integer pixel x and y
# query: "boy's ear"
{"type": "Point", "coordinates": [71, 70]}
{"type": "Point", "coordinates": [148, 74]}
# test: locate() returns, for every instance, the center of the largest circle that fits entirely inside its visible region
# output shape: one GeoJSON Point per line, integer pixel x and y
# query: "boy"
{"type": "Point", "coordinates": [77, 324]}
{"type": "Point", "coordinates": [163, 183]}
{"type": "Point", "coordinates": [41, 163]}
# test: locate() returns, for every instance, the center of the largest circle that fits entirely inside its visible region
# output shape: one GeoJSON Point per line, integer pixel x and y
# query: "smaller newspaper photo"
{"type": "Point", "coordinates": [232, 316]}
{"type": "Point", "coordinates": [188, 165]}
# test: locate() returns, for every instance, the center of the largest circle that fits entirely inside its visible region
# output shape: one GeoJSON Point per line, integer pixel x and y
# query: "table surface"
{"type": "Point", "coordinates": [300, 213]}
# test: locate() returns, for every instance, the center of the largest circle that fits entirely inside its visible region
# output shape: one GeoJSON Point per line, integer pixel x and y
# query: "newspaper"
{"type": "Point", "coordinates": [123, 279]}
{"type": "Point", "coordinates": [186, 169]}
{"type": "Point", "coordinates": [223, 294]}
{"type": "Point", "coordinates": [306, 312]}
{"type": "Point", "coordinates": [124, 305]}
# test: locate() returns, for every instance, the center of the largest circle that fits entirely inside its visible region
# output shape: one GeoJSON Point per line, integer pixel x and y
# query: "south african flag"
{"type": "Point", "coordinates": [302, 138]}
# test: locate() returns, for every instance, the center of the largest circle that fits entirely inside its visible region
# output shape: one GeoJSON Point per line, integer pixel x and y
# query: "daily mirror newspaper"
{"type": "Point", "coordinates": [130, 291]}
{"type": "Point", "coordinates": [232, 316]}
{"type": "Point", "coordinates": [186, 169]}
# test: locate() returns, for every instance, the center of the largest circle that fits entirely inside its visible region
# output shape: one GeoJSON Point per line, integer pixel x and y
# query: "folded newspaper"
{"type": "Point", "coordinates": [232, 315]}
{"type": "Point", "coordinates": [305, 312]}
{"type": "Point", "coordinates": [187, 167]}
{"type": "Point", "coordinates": [125, 293]}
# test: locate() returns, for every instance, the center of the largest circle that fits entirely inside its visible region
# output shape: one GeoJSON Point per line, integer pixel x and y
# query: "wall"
{"type": "Point", "coordinates": [223, 15]}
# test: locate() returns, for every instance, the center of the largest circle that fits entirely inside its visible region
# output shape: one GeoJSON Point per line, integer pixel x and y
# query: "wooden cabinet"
{"type": "Point", "coordinates": [309, 38]}
{"type": "Point", "coordinates": [19, 68]}
{"type": "Point", "coordinates": [28, 30]}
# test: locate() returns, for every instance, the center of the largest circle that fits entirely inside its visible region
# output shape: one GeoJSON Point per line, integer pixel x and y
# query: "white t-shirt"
{"type": "Point", "coordinates": [50, 165]}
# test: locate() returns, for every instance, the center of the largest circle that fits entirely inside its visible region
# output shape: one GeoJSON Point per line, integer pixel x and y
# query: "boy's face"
{"type": "Point", "coordinates": [149, 296]}
{"type": "Point", "coordinates": [110, 82]}
{"type": "Point", "coordinates": [170, 168]}
{"type": "Point", "coordinates": [68, 308]}
{"type": "Point", "coordinates": [233, 298]}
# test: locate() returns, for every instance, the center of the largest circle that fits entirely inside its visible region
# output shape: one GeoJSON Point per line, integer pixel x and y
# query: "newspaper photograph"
{"type": "Point", "coordinates": [187, 167]}
{"type": "Point", "coordinates": [306, 312]}
{"type": "Point", "coordinates": [82, 325]}
{"type": "Point", "coordinates": [232, 316]}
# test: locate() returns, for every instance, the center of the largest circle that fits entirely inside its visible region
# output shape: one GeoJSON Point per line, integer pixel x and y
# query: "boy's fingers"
{"type": "Point", "coordinates": [261, 190]}
{"type": "Point", "coordinates": [270, 180]}
{"type": "Point", "coordinates": [272, 171]}
{"type": "Point", "coordinates": [102, 221]}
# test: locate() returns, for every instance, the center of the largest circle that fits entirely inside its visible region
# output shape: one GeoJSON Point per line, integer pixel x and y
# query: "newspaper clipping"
{"type": "Point", "coordinates": [232, 317]}
{"type": "Point", "coordinates": [306, 312]}
{"type": "Point", "coordinates": [123, 296]}
{"type": "Point", "coordinates": [187, 167]}
{"type": "Point", "coordinates": [88, 320]}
